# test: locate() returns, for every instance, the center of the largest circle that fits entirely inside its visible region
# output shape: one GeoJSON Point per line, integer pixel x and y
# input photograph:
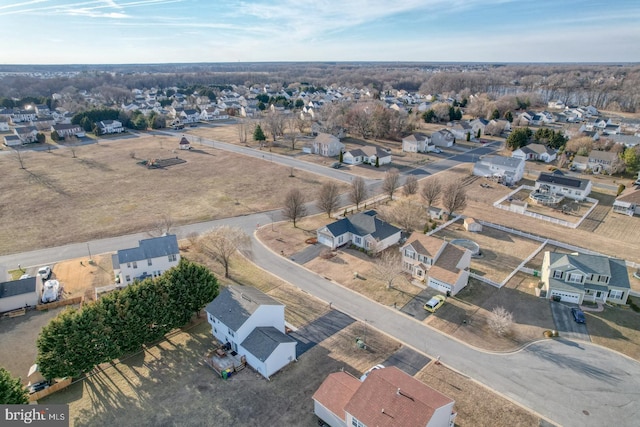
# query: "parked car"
{"type": "Point", "coordinates": [44, 272]}
{"type": "Point", "coordinates": [25, 276]}
{"type": "Point", "coordinates": [578, 315]}
{"type": "Point", "coordinates": [36, 387]}
{"type": "Point", "coordinates": [437, 151]}
{"type": "Point", "coordinates": [434, 303]}
{"type": "Point", "coordinates": [364, 376]}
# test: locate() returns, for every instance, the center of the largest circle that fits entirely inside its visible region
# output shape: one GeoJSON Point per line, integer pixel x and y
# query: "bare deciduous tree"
{"type": "Point", "coordinates": [410, 186]}
{"type": "Point", "coordinates": [162, 226]}
{"type": "Point", "coordinates": [409, 216]}
{"type": "Point", "coordinates": [328, 197]}
{"type": "Point", "coordinates": [391, 182]}
{"type": "Point", "coordinates": [358, 191]}
{"type": "Point", "coordinates": [388, 266]}
{"type": "Point", "coordinates": [294, 205]}
{"type": "Point", "coordinates": [19, 156]}
{"type": "Point", "coordinates": [292, 131]}
{"type": "Point", "coordinates": [431, 191]}
{"type": "Point", "coordinates": [274, 124]}
{"type": "Point", "coordinates": [455, 197]}
{"type": "Point", "coordinates": [500, 321]}
{"type": "Point", "coordinates": [222, 243]}
{"type": "Point", "coordinates": [242, 132]}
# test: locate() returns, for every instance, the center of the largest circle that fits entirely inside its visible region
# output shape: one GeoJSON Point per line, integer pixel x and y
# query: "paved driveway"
{"type": "Point", "coordinates": [407, 360]}
{"type": "Point", "coordinates": [319, 330]}
{"type": "Point", "coordinates": [308, 253]}
{"type": "Point", "coordinates": [415, 307]}
{"type": "Point", "coordinates": [565, 324]}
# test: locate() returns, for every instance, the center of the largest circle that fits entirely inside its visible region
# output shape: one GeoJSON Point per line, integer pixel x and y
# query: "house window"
{"type": "Point", "coordinates": [410, 254]}
{"type": "Point", "coordinates": [557, 274]}
{"type": "Point", "coordinates": [135, 264]}
{"type": "Point", "coordinates": [575, 278]}
{"type": "Point", "coordinates": [127, 278]}
{"type": "Point", "coordinates": [356, 423]}
{"type": "Point", "coordinates": [172, 257]}
{"type": "Point", "coordinates": [128, 265]}
{"type": "Point", "coordinates": [230, 332]}
{"type": "Point", "coordinates": [340, 239]}
{"type": "Point", "coordinates": [149, 261]}
{"type": "Point", "coordinates": [357, 240]}
{"type": "Point", "coordinates": [615, 294]}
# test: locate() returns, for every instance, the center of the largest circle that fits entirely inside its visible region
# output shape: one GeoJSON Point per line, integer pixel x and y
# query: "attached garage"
{"type": "Point", "coordinates": [439, 286]}
{"type": "Point", "coordinates": [323, 239]}
{"type": "Point", "coordinates": [566, 296]}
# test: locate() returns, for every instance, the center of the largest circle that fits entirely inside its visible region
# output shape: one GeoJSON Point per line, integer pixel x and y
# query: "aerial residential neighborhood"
{"type": "Point", "coordinates": [315, 215]}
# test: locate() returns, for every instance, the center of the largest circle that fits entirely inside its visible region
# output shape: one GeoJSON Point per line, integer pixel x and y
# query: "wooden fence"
{"type": "Point", "coordinates": [47, 391]}
{"type": "Point", "coordinates": [60, 303]}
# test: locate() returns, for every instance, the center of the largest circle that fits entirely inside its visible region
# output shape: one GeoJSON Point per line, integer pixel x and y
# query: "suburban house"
{"type": "Point", "coordinates": [603, 161]}
{"type": "Point", "coordinates": [151, 258]}
{"type": "Point", "coordinates": [12, 140]}
{"type": "Point", "coordinates": [16, 294]}
{"type": "Point", "coordinates": [573, 188]}
{"type": "Point", "coordinates": [364, 230]}
{"type": "Point", "coordinates": [4, 126]}
{"type": "Point", "coordinates": [27, 134]}
{"type": "Point", "coordinates": [461, 129]}
{"type": "Point", "coordinates": [436, 262]}
{"type": "Point", "coordinates": [578, 277]}
{"type": "Point", "coordinates": [443, 138]}
{"type": "Point", "coordinates": [507, 170]}
{"type": "Point", "coordinates": [325, 145]}
{"type": "Point", "coordinates": [367, 155]}
{"type": "Point", "coordinates": [628, 202]}
{"type": "Point", "coordinates": [534, 151]}
{"type": "Point", "coordinates": [579, 163]}
{"type": "Point", "coordinates": [478, 125]}
{"type": "Point", "coordinates": [106, 127]}
{"type": "Point", "coordinates": [417, 143]}
{"type": "Point", "coordinates": [496, 127]}
{"type": "Point", "coordinates": [213, 113]}
{"type": "Point", "coordinates": [251, 324]}
{"type": "Point", "coordinates": [66, 130]}
{"type": "Point", "coordinates": [386, 397]}
{"type": "Point", "coordinates": [189, 116]}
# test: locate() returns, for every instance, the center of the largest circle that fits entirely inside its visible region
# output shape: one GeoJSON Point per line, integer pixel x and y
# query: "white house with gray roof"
{"type": "Point", "coordinates": [578, 277]}
{"type": "Point", "coordinates": [535, 151]}
{"type": "Point", "coordinates": [16, 294]}
{"type": "Point", "coordinates": [151, 258]}
{"type": "Point", "coordinates": [251, 323]}
{"type": "Point", "coordinates": [364, 230]}
{"type": "Point", "coordinates": [508, 170]}
{"type": "Point", "coordinates": [568, 186]}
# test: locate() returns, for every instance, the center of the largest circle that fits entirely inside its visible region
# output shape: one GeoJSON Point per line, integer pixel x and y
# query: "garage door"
{"type": "Point", "coordinates": [442, 287]}
{"type": "Point", "coordinates": [324, 240]}
{"type": "Point", "coordinates": [566, 296]}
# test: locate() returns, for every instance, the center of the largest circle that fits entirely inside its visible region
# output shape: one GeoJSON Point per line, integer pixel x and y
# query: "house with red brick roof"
{"type": "Point", "coordinates": [386, 397]}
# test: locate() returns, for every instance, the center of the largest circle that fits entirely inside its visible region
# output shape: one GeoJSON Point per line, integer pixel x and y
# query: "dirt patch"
{"type": "Point", "coordinates": [79, 277]}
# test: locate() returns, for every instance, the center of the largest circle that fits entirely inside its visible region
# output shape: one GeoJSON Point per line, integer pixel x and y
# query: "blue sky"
{"type": "Point", "coordinates": [158, 31]}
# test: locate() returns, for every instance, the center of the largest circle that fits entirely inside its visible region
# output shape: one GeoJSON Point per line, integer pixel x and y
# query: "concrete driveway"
{"type": "Point", "coordinates": [565, 324]}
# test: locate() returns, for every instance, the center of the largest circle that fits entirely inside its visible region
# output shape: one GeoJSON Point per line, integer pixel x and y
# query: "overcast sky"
{"type": "Point", "coordinates": [160, 31]}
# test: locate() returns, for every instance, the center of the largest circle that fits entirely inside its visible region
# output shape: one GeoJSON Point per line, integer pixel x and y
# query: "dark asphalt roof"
{"type": "Point", "coordinates": [150, 248]}
{"type": "Point", "coordinates": [264, 340]}
{"type": "Point", "coordinates": [565, 181]}
{"type": "Point", "coordinates": [17, 287]}
{"type": "Point", "coordinates": [236, 304]}
{"type": "Point", "coordinates": [363, 224]}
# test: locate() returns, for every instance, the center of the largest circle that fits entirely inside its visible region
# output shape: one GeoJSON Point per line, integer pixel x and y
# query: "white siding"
{"type": "Point", "coordinates": [159, 264]}
{"type": "Point", "coordinates": [442, 416]}
{"type": "Point", "coordinates": [19, 301]}
{"type": "Point", "coordinates": [327, 416]}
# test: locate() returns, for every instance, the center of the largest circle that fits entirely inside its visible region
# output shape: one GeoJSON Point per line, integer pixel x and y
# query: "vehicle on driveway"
{"type": "Point", "coordinates": [45, 272]}
{"type": "Point", "coordinates": [364, 376]}
{"type": "Point", "coordinates": [578, 315]}
{"type": "Point", "coordinates": [25, 276]}
{"type": "Point", "coordinates": [434, 303]}
{"type": "Point", "coordinates": [36, 387]}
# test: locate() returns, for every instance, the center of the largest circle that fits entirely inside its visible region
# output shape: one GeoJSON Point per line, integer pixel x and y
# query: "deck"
{"type": "Point", "coordinates": [225, 362]}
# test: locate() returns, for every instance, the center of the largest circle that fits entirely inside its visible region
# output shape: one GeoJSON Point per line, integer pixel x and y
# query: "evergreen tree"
{"type": "Point", "coordinates": [495, 115]}
{"type": "Point", "coordinates": [258, 134]}
{"type": "Point", "coordinates": [518, 138]}
{"type": "Point", "coordinates": [11, 390]}
{"type": "Point", "coordinates": [468, 136]}
{"type": "Point", "coordinates": [479, 133]}
{"type": "Point", "coordinates": [508, 116]}
{"type": "Point", "coordinates": [377, 162]}
{"type": "Point", "coordinates": [341, 158]}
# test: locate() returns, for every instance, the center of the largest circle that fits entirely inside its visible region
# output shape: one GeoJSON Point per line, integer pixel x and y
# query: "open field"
{"type": "Point", "coordinates": [501, 252]}
{"type": "Point", "coordinates": [104, 192]}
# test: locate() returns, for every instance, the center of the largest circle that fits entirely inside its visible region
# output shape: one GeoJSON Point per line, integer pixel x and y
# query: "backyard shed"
{"type": "Point", "coordinates": [472, 225]}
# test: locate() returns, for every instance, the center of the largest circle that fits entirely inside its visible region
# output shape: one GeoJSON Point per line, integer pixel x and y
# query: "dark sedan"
{"type": "Point", "coordinates": [578, 315]}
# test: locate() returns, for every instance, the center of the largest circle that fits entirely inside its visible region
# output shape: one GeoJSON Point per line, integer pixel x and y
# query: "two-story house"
{"type": "Point", "coordinates": [417, 143]}
{"type": "Point", "coordinates": [364, 230]}
{"type": "Point", "coordinates": [507, 170]}
{"type": "Point", "coordinates": [368, 155]}
{"type": "Point", "coordinates": [251, 323]}
{"type": "Point", "coordinates": [151, 258]}
{"type": "Point", "coordinates": [27, 134]}
{"type": "Point", "coordinates": [189, 116]}
{"type": "Point", "coordinates": [443, 138]}
{"type": "Point", "coordinates": [461, 129]}
{"type": "Point", "coordinates": [568, 186]}
{"type": "Point", "coordinates": [386, 397]}
{"type": "Point", "coordinates": [603, 161]}
{"type": "Point", "coordinates": [325, 145]}
{"type": "Point", "coordinates": [436, 262]}
{"type": "Point", "coordinates": [106, 127]}
{"type": "Point", "coordinates": [578, 277]}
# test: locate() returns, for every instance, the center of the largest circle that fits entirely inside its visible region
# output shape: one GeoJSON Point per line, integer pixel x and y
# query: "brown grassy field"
{"type": "Point", "coordinates": [104, 192]}
{"type": "Point", "coordinates": [616, 328]}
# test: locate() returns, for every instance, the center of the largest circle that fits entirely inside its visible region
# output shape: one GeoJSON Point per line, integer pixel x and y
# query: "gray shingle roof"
{"type": "Point", "coordinates": [363, 224]}
{"type": "Point", "coordinates": [235, 304]}
{"type": "Point", "coordinates": [589, 264]}
{"type": "Point", "coordinates": [508, 162]}
{"type": "Point", "coordinates": [17, 287]}
{"type": "Point", "coordinates": [264, 340]}
{"type": "Point", "coordinates": [150, 248]}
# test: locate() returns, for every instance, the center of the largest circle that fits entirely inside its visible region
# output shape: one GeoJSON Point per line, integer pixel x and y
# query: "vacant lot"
{"type": "Point", "coordinates": [103, 191]}
{"type": "Point", "coordinates": [501, 252]}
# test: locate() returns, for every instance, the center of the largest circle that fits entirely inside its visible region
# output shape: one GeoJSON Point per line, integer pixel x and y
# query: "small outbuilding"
{"type": "Point", "coordinates": [184, 144]}
{"type": "Point", "coordinates": [472, 225]}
